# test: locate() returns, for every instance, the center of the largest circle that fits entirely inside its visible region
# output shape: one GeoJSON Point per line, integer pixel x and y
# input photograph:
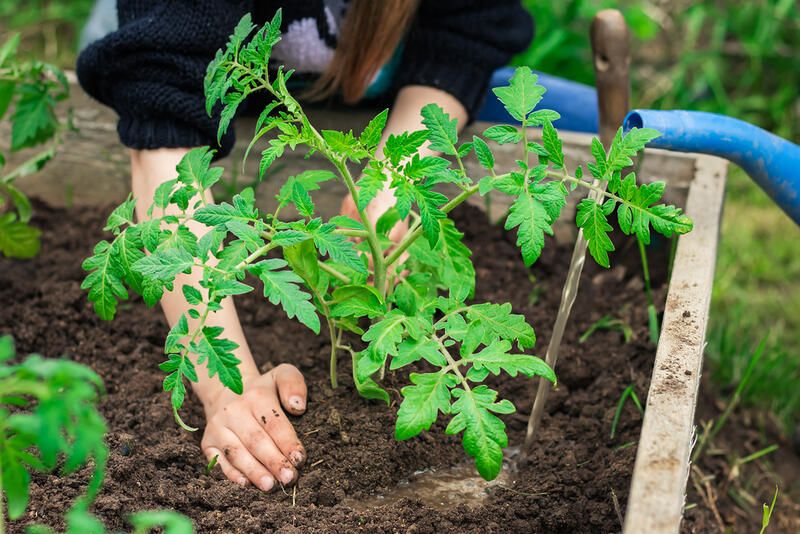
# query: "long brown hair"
{"type": "Point", "coordinates": [371, 31]}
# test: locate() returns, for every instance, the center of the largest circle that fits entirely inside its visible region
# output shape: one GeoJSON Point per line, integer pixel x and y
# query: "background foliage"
{"type": "Point", "coordinates": [739, 59]}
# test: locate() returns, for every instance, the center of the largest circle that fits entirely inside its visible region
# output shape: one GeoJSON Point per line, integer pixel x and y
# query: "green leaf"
{"type": "Point", "coordinates": [34, 120]}
{"type": "Point", "coordinates": [18, 239]}
{"type": "Point", "coordinates": [623, 148]}
{"type": "Point", "coordinates": [484, 433]}
{"type": "Point", "coordinates": [503, 134]}
{"type": "Point", "coordinates": [193, 169]}
{"type": "Point", "coordinates": [227, 288]}
{"type": "Point", "coordinates": [302, 200]}
{"type": "Point", "coordinates": [399, 147]}
{"type": "Point", "coordinates": [16, 482]}
{"type": "Point", "coordinates": [387, 221]}
{"type": "Point", "coordinates": [533, 221]}
{"type": "Point", "coordinates": [419, 168]}
{"type": "Point", "coordinates": [386, 334]}
{"type": "Point", "coordinates": [371, 135]}
{"type": "Point", "coordinates": [357, 301]}
{"type": "Point", "coordinates": [483, 153]}
{"type": "Point", "coordinates": [542, 116]}
{"type": "Point", "coordinates": [217, 354]}
{"type": "Point", "coordinates": [413, 350]}
{"type": "Point", "coordinates": [308, 180]}
{"type": "Point", "coordinates": [639, 212]}
{"type": "Point", "coordinates": [269, 155]}
{"type": "Point", "coordinates": [369, 185]}
{"type": "Point", "coordinates": [178, 331]}
{"type": "Point", "coordinates": [497, 321]}
{"type": "Point", "coordinates": [365, 385]}
{"type": "Point", "coordinates": [442, 130]}
{"type": "Point", "coordinates": [429, 212]}
{"type": "Point", "coordinates": [496, 358]}
{"type": "Point", "coordinates": [302, 258]}
{"type": "Point", "coordinates": [338, 247]}
{"type": "Point", "coordinates": [127, 250]}
{"type": "Point", "coordinates": [168, 521]}
{"type": "Point", "coordinates": [422, 403]}
{"type": "Point", "coordinates": [522, 93]}
{"type": "Point", "coordinates": [122, 214]}
{"type": "Point", "coordinates": [450, 258]}
{"type": "Point", "coordinates": [282, 287]}
{"type": "Point", "coordinates": [104, 281]}
{"type": "Point", "coordinates": [344, 143]}
{"type": "Point", "coordinates": [552, 144]}
{"type": "Point", "coordinates": [164, 265]}
{"type": "Point", "coordinates": [6, 94]}
{"type": "Point", "coordinates": [591, 217]}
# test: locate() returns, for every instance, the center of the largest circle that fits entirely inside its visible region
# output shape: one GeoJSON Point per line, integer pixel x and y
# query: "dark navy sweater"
{"type": "Point", "coordinates": [151, 69]}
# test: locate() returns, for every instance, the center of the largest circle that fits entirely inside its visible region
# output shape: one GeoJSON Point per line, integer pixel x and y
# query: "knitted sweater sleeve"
{"type": "Point", "coordinates": [455, 45]}
{"type": "Point", "coordinates": [150, 71]}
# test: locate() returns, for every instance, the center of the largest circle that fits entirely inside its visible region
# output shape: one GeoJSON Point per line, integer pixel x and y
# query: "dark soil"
{"type": "Point", "coordinates": [566, 486]}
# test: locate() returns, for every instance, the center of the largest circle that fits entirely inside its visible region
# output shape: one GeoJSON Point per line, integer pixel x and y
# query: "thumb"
{"type": "Point", "coordinates": [291, 388]}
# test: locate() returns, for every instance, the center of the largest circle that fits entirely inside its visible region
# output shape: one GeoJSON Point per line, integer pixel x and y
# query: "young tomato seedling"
{"type": "Point", "coordinates": [49, 417]}
{"type": "Point", "coordinates": [34, 88]}
{"type": "Point", "coordinates": [424, 316]}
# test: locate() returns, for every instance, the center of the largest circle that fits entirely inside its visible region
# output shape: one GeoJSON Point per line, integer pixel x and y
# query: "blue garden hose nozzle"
{"type": "Point", "coordinates": [771, 161]}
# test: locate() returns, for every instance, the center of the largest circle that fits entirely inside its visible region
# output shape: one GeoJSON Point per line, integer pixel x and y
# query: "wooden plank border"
{"type": "Point", "coordinates": [657, 495]}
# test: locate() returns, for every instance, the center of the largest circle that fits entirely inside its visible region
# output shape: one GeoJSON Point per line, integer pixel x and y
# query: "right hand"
{"type": "Point", "coordinates": [250, 434]}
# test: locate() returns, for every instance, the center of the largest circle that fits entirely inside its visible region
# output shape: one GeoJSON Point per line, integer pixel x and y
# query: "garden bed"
{"type": "Point", "coordinates": [569, 484]}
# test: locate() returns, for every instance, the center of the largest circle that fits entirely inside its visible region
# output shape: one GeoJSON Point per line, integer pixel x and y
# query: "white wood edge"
{"type": "Point", "coordinates": [657, 494]}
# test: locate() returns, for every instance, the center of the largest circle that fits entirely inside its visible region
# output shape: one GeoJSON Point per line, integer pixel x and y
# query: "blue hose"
{"type": "Point", "coordinates": [575, 102]}
{"type": "Point", "coordinates": [773, 162]}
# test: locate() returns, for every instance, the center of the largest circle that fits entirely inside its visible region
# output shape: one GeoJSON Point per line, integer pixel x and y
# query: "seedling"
{"type": "Point", "coordinates": [422, 316]}
{"type": "Point", "coordinates": [33, 88]}
{"type": "Point", "coordinates": [608, 322]}
{"type": "Point", "coordinates": [49, 417]}
{"type": "Point", "coordinates": [766, 512]}
{"type": "Point", "coordinates": [629, 392]}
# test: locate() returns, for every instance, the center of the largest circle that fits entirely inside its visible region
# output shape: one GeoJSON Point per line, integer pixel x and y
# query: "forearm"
{"type": "Point", "coordinates": [405, 117]}
{"type": "Point", "coordinates": [149, 169]}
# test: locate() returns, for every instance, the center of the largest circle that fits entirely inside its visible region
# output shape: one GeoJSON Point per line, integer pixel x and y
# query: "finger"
{"type": "Point", "coordinates": [274, 422]}
{"type": "Point", "coordinates": [233, 474]}
{"type": "Point", "coordinates": [291, 388]}
{"type": "Point", "coordinates": [262, 449]}
{"type": "Point", "coordinates": [237, 453]}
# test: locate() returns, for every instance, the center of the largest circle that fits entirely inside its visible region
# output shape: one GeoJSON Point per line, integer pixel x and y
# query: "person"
{"type": "Point", "coordinates": [150, 71]}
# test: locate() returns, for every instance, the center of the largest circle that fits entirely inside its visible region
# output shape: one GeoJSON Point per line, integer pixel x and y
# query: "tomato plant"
{"type": "Point", "coordinates": [49, 417]}
{"type": "Point", "coordinates": [33, 89]}
{"type": "Point", "coordinates": [410, 302]}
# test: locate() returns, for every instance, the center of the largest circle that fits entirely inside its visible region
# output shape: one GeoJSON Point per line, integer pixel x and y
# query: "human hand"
{"type": "Point", "coordinates": [250, 434]}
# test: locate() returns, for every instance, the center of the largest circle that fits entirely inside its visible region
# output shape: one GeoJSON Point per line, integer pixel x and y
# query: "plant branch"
{"type": "Point", "coordinates": [416, 230]}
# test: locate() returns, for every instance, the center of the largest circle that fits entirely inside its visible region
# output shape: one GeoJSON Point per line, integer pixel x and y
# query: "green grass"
{"type": "Point", "coordinates": [757, 292]}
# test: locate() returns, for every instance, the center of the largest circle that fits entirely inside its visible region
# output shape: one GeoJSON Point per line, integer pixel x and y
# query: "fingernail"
{"type": "Point", "coordinates": [287, 475]}
{"type": "Point", "coordinates": [297, 403]}
{"type": "Point", "coordinates": [242, 481]}
{"type": "Point", "coordinates": [296, 457]}
{"type": "Point", "coordinates": [266, 483]}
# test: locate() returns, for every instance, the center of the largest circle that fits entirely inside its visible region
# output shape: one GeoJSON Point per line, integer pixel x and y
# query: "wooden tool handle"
{"type": "Point", "coordinates": [611, 50]}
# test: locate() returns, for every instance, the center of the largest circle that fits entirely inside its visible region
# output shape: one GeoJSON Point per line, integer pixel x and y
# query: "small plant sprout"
{"type": "Point", "coordinates": [322, 278]}
{"type": "Point", "coordinates": [629, 392]}
{"type": "Point", "coordinates": [608, 322]}
{"type": "Point", "coordinates": [766, 512]}
{"type": "Point", "coordinates": [33, 89]}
